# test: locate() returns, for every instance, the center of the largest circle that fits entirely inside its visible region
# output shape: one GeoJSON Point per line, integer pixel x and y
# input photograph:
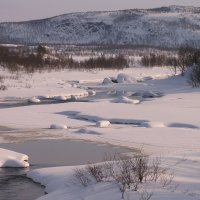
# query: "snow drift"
{"type": "Point", "coordinates": [12, 159]}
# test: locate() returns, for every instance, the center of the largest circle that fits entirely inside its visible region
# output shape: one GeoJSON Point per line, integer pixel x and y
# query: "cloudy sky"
{"type": "Point", "coordinates": [18, 10]}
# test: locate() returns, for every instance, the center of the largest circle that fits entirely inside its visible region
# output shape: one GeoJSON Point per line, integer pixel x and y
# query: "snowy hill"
{"type": "Point", "coordinates": [171, 26]}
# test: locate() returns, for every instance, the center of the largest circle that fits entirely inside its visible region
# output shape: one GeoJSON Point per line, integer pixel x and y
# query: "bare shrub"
{"type": "Point", "coordinates": [194, 78]}
{"type": "Point", "coordinates": [40, 59]}
{"type": "Point", "coordinates": [103, 62]}
{"type": "Point", "coordinates": [153, 59]}
{"type": "Point", "coordinates": [187, 56]}
{"type": "Point", "coordinates": [130, 173]}
{"type": "Point", "coordinates": [3, 87]}
{"type": "Point", "coordinates": [166, 179]}
{"type": "Point", "coordinates": [82, 177]}
{"type": "Point", "coordinates": [96, 171]}
{"type": "Point", "coordinates": [145, 195]}
{"type": "Point", "coordinates": [1, 79]}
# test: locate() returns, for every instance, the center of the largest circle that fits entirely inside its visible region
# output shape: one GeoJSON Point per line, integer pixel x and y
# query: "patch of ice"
{"type": "Point", "coordinates": [103, 124]}
{"type": "Point", "coordinates": [153, 125]}
{"type": "Point", "coordinates": [12, 159]}
{"type": "Point", "coordinates": [58, 126]}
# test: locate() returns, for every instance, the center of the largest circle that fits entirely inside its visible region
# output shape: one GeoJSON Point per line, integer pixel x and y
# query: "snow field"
{"type": "Point", "coordinates": [159, 114]}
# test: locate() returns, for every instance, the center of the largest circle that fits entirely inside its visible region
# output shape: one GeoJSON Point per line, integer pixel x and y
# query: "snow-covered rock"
{"type": "Point", "coordinates": [91, 92]}
{"type": "Point", "coordinates": [103, 124]}
{"type": "Point", "coordinates": [12, 159]}
{"type": "Point", "coordinates": [107, 81]}
{"type": "Point", "coordinates": [60, 98]}
{"type": "Point", "coordinates": [125, 78]}
{"type": "Point", "coordinates": [58, 126]}
{"type": "Point", "coordinates": [73, 98]}
{"type": "Point", "coordinates": [34, 100]}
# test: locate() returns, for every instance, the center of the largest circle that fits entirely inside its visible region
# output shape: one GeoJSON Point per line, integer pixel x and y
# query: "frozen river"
{"type": "Point", "coordinates": [47, 153]}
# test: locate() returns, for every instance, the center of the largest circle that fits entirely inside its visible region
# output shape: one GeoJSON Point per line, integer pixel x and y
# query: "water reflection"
{"type": "Point", "coordinates": [14, 185]}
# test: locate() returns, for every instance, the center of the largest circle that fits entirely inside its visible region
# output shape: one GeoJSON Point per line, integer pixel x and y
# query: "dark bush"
{"type": "Point", "coordinates": [34, 60]}
{"type": "Point", "coordinates": [152, 60]}
{"type": "Point", "coordinates": [194, 78]}
{"type": "Point", "coordinates": [187, 57]}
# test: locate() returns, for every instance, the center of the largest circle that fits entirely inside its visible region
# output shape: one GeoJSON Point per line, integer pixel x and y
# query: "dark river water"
{"type": "Point", "coordinates": [14, 185]}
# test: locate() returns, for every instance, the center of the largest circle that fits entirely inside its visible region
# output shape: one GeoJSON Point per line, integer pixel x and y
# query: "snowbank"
{"type": "Point", "coordinates": [107, 81]}
{"type": "Point", "coordinates": [103, 124]}
{"type": "Point", "coordinates": [60, 98]}
{"type": "Point", "coordinates": [58, 126]}
{"type": "Point", "coordinates": [12, 159]}
{"type": "Point", "coordinates": [124, 78]}
{"type": "Point", "coordinates": [121, 78]}
{"type": "Point", "coordinates": [91, 92]}
{"type": "Point", "coordinates": [126, 100]}
{"type": "Point", "coordinates": [34, 100]}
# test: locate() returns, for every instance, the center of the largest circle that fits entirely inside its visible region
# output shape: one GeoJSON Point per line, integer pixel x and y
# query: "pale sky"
{"type": "Point", "coordinates": [21, 10]}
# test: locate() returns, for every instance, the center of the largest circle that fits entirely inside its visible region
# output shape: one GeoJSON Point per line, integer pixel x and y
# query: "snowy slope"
{"type": "Point", "coordinates": [164, 27]}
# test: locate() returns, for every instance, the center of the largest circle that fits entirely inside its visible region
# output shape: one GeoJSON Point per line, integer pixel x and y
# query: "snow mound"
{"type": "Point", "coordinates": [43, 97]}
{"type": "Point", "coordinates": [126, 100]}
{"type": "Point", "coordinates": [12, 159]}
{"type": "Point", "coordinates": [91, 92]}
{"type": "Point", "coordinates": [34, 100]}
{"type": "Point", "coordinates": [74, 98]}
{"type": "Point", "coordinates": [103, 124]}
{"type": "Point", "coordinates": [124, 78]}
{"type": "Point", "coordinates": [60, 98]}
{"type": "Point", "coordinates": [58, 126]}
{"type": "Point", "coordinates": [107, 81]}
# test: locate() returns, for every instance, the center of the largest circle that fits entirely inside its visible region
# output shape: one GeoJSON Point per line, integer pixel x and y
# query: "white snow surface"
{"type": "Point", "coordinates": [165, 123]}
{"type": "Point", "coordinates": [12, 159]}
